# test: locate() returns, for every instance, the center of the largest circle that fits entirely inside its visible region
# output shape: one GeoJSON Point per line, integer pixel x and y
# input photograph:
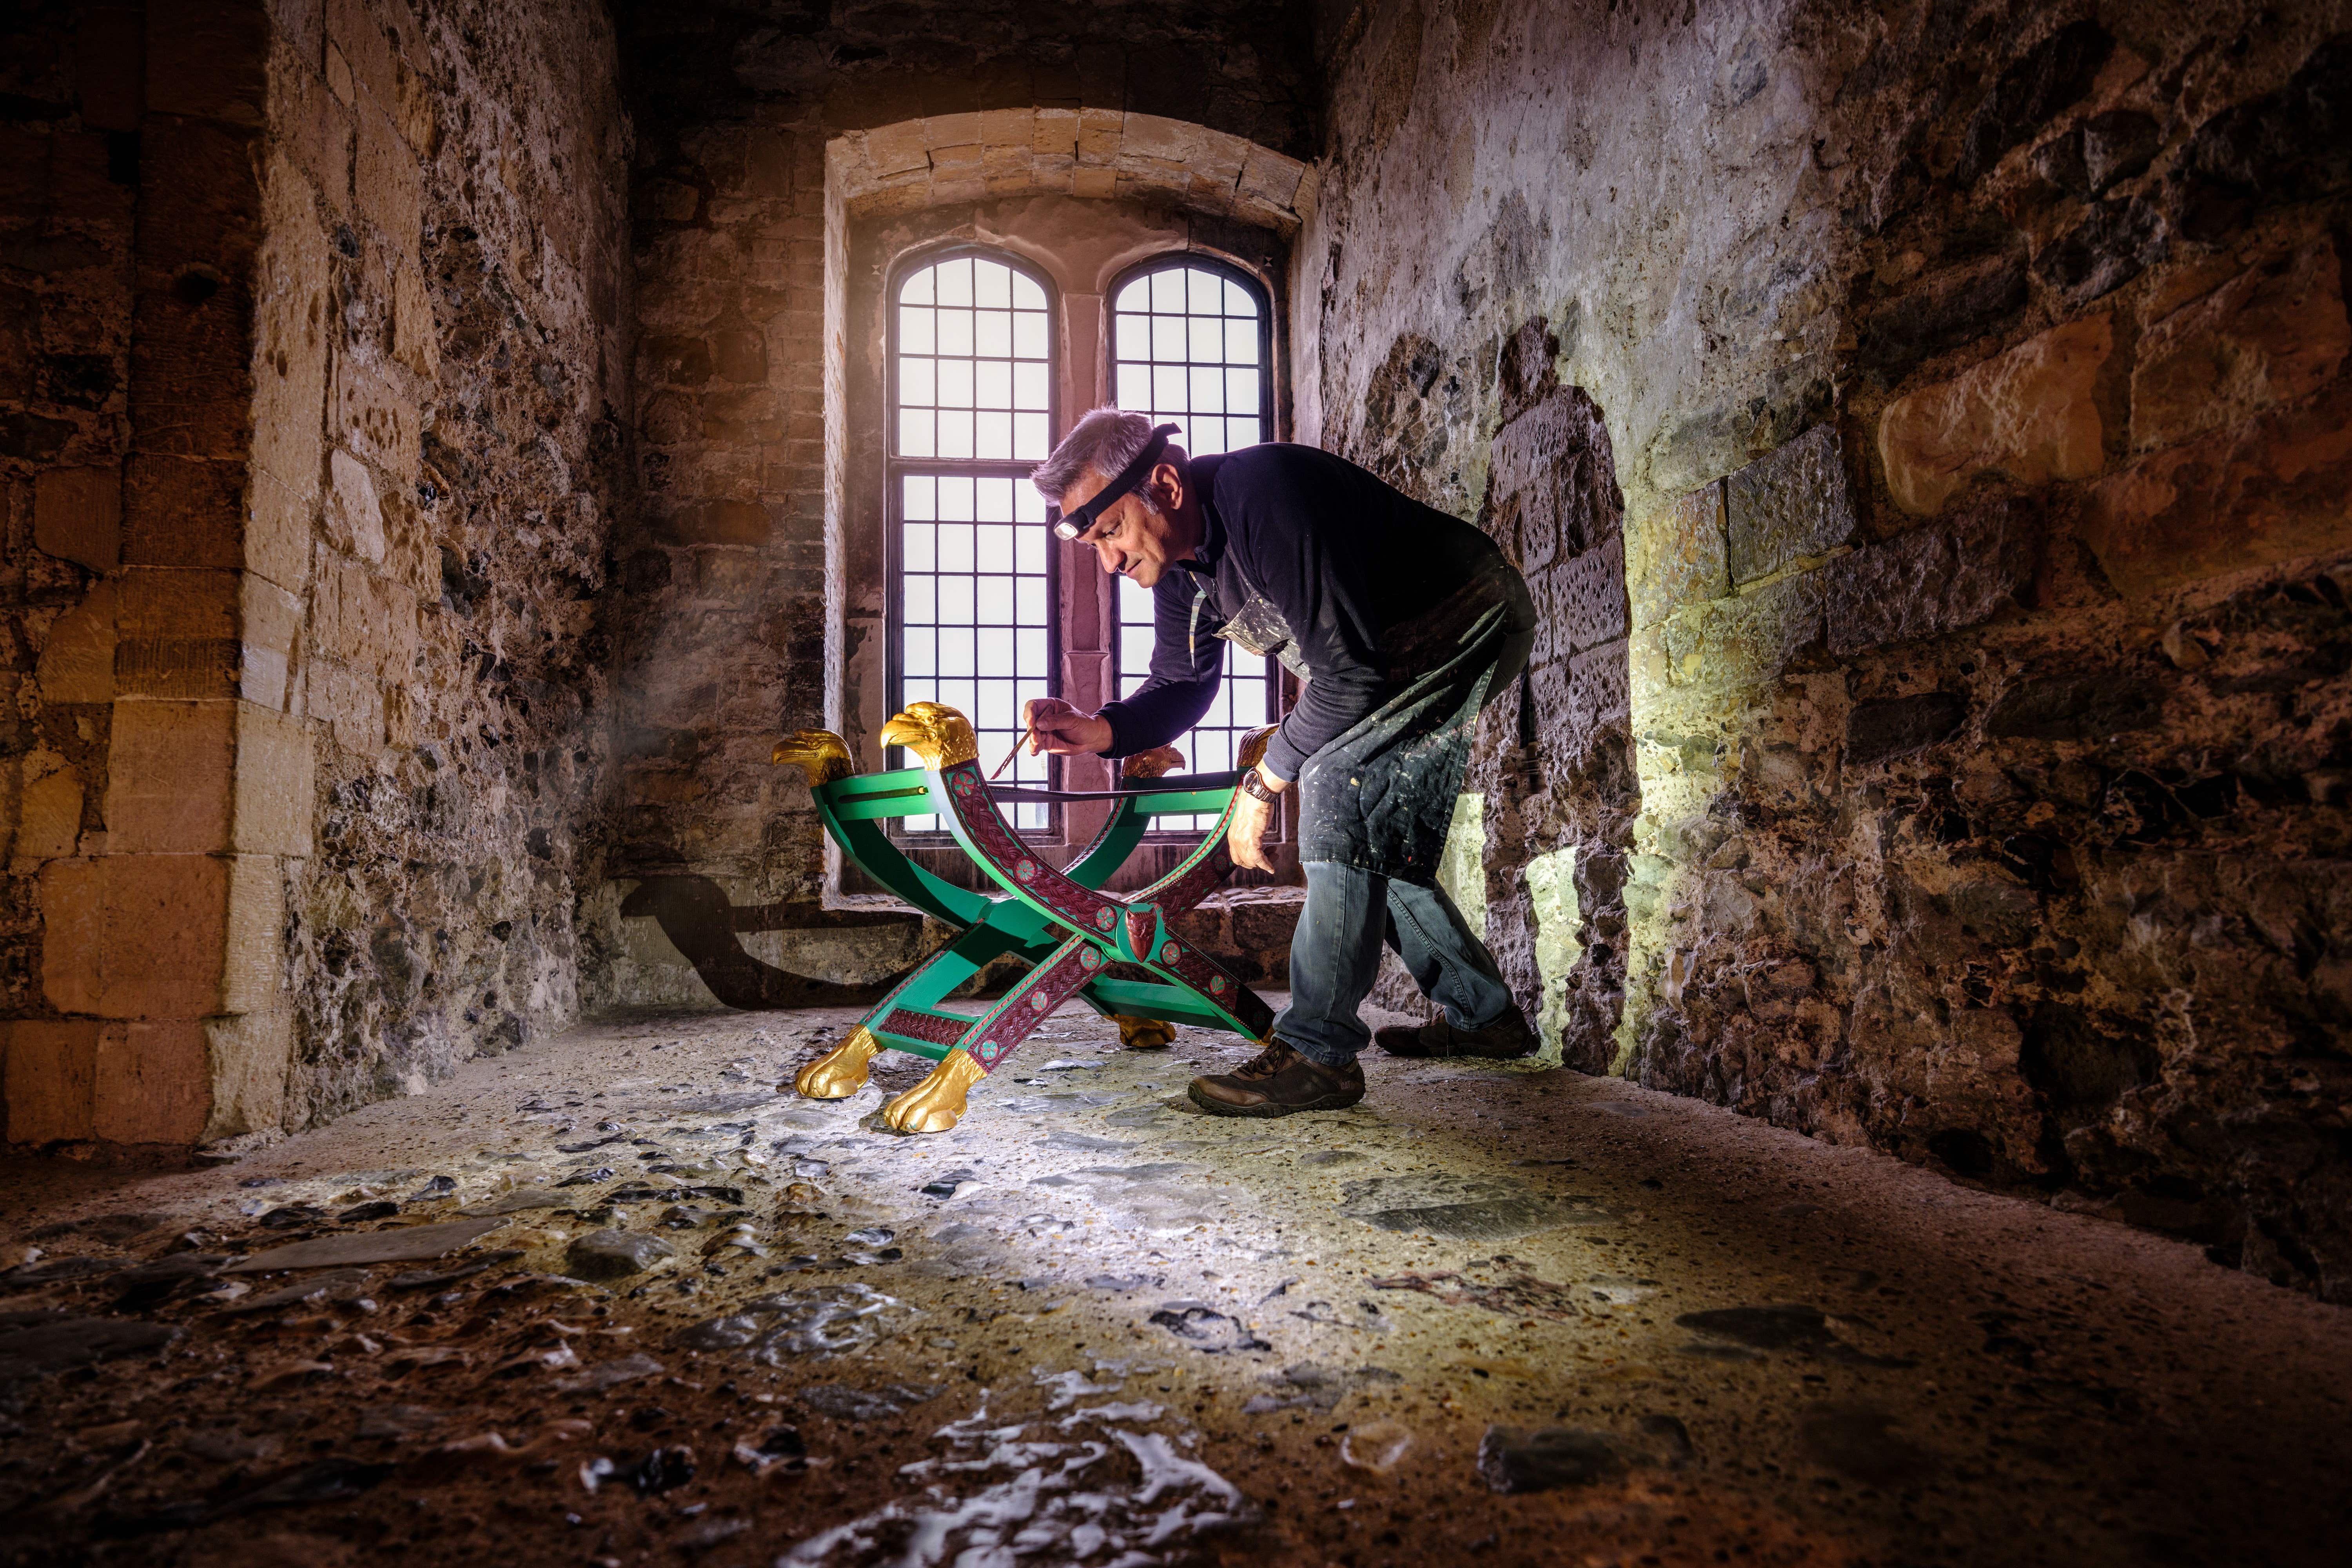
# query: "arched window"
{"type": "Point", "coordinates": [1192, 342]}
{"type": "Point", "coordinates": [973, 600]}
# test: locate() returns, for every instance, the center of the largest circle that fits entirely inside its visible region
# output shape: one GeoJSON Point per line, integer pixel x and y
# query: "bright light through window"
{"type": "Point", "coordinates": [1188, 346]}
{"type": "Point", "coordinates": [975, 600]}
{"type": "Point", "coordinates": [972, 365]}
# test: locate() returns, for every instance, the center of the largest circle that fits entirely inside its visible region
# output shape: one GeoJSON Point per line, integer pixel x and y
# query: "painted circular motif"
{"type": "Point", "coordinates": [1218, 984]}
{"type": "Point", "coordinates": [1169, 953]}
{"type": "Point", "coordinates": [1103, 917]}
{"type": "Point", "coordinates": [1090, 959]}
{"type": "Point", "coordinates": [1026, 870]}
{"type": "Point", "coordinates": [1037, 1000]}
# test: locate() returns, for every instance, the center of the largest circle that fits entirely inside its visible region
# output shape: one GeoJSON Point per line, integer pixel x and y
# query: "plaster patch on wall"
{"type": "Point", "coordinates": [1551, 891]}
{"type": "Point", "coordinates": [1461, 870]}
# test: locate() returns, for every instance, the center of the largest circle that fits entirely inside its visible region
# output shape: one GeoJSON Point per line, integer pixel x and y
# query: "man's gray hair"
{"type": "Point", "coordinates": [1104, 441]}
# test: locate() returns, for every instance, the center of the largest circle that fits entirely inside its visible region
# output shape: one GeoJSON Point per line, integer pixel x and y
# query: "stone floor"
{"type": "Point", "coordinates": [1524, 1316]}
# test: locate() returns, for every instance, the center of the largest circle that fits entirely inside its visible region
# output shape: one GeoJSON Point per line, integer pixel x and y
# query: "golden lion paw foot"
{"type": "Point", "coordinates": [937, 1103]}
{"type": "Point", "coordinates": [841, 1071]}
{"type": "Point", "coordinates": [1144, 1034]}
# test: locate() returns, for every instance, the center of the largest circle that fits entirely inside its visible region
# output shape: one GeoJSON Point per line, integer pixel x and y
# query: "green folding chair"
{"type": "Point", "coordinates": [1057, 921]}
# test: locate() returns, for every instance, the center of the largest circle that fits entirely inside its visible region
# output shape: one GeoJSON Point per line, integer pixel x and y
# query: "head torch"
{"type": "Point", "coordinates": [1079, 521]}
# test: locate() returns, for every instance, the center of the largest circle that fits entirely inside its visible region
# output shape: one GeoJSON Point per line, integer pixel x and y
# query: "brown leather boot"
{"type": "Point", "coordinates": [1506, 1037]}
{"type": "Point", "coordinates": [1276, 1082]}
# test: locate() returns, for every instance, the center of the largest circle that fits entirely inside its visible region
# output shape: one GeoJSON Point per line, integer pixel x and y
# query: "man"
{"type": "Point", "coordinates": [1402, 622]}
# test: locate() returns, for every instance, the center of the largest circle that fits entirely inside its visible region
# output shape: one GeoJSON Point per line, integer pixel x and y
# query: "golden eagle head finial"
{"type": "Point", "coordinates": [1153, 764]}
{"type": "Point", "coordinates": [934, 732]}
{"type": "Point", "coordinates": [823, 755]}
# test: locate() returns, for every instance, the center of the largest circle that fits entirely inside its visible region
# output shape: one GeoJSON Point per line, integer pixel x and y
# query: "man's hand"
{"type": "Point", "coordinates": [1055, 726]}
{"type": "Point", "coordinates": [1252, 819]}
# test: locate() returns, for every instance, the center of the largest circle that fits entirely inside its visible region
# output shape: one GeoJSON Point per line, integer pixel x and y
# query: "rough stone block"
{"type": "Point", "coordinates": [1681, 556]}
{"type": "Point", "coordinates": [2028, 414]}
{"type": "Point", "coordinates": [1099, 132]}
{"type": "Point", "coordinates": [896, 149]}
{"type": "Point", "coordinates": [2087, 707]}
{"type": "Point", "coordinates": [2273, 334]}
{"type": "Point", "coordinates": [253, 946]}
{"type": "Point", "coordinates": [355, 511]}
{"type": "Point", "coordinates": [272, 621]}
{"type": "Point", "coordinates": [315, 129]}
{"type": "Point", "coordinates": [1270, 179]}
{"type": "Point", "coordinates": [1100, 184]}
{"type": "Point", "coordinates": [2116, 242]}
{"type": "Point", "coordinates": [303, 27]}
{"type": "Point", "coordinates": [278, 530]}
{"type": "Point", "coordinates": [1549, 487]}
{"type": "Point", "coordinates": [351, 702]}
{"type": "Point", "coordinates": [385, 181]}
{"type": "Point", "coordinates": [177, 634]}
{"type": "Point", "coordinates": [152, 1082]}
{"type": "Point", "coordinates": [109, 66]}
{"type": "Point", "coordinates": [1053, 132]}
{"type": "Point", "coordinates": [49, 814]}
{"type": "Point", "coordinates": [1747, 421]}
{"type": "Point", "coordinates": [170, 768]}
{"type": "Point", "coordinates": [52, 1074]}
{"type": "Point", "coordinates": [289, 368]}
{"type": "Point", "coordinates": [721, 522]}
{"type": "Point", "coordinates": [1732, 643]}
{"type": "Point", "coordinates": [1940, 312]}
{"type": "Point", "coordinates": [1589, 594]}
{"type": "Point", "coordinates": [134, 936]}
{"type": "Point", "coordinates": [1600, 694]}
{"type": "Point", "coordinates": [2270, 490]}
{"type": "Point", "coordinates": [1789, 504]}
{"type": "Point", "coordinates": [1931, 579]}
{"type": "Point", "coordinates": [207, 61]}
{"type": "Point", "coordinates": [184, 512]}
{"type": "Point", "coordinates": [376, 420]}
{"type": "Point", "coordinates": [353, 30]}
{"type": "Point", "coordinates": [1011, 128]}
{"type": "Point", "coordinates": [272, 806]}
{"type": "Point", "coordinates": [73, 931]}
{"type": "Point", "coordinates": [415, 341]}
{"type": "Point", "coordinates": [78, 659]}
{"type": "Point", "coordinates": [249, 1056]}
{"type": "Point", "coordinates": [78, 516]}
{"type": "Point", "coordinates": [191, 351]}
{"type": "Point", "coordinates": [950, 130]}
{"type": "Point", "coordinates": [1898, 726]}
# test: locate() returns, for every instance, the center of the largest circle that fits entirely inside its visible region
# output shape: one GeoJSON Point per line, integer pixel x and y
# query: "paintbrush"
{"type": "Point", "coordinates": [1027, 730]}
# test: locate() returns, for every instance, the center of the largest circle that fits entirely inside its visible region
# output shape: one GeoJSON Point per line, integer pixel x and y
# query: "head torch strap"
{"type": "Point", "coordinates": [1076, 523]}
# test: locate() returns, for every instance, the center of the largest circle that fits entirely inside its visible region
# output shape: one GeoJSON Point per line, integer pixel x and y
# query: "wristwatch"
{"type": "Point", "coordinates": [1255, 786]}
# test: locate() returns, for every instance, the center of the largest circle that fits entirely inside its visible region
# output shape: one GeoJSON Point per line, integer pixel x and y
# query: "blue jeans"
{"type": "Point", "coordinates": [1334, 957]}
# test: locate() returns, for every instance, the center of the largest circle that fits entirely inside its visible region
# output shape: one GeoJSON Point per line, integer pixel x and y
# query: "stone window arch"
{"type": "Point", "coordinates": [1081, 247]}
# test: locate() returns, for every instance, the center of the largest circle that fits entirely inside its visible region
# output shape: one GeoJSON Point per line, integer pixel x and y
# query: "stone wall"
{"type": "Point", "coordinates": [472, 277]}
{"type": "Point", "coordinates": [309, 511]}
{"type": "Point", "coordinates": [69, 194]}
{"type": "Point", "coordinates": [1974, 377]}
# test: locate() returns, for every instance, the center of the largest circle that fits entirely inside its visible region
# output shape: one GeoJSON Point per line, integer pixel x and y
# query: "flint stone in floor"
{"type": "Point", "coordinates": [615, 1254]}
{"type": "Point", "coordinates": [47, 1344]}
{"type": "Point", "coordinates": [1465, 1208]}
{"type": "Point", "coordinates": [408, 1243]}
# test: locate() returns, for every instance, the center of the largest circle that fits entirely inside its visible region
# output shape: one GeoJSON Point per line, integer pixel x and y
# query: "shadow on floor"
{"type": "Point", "coordinates": [701, 923]}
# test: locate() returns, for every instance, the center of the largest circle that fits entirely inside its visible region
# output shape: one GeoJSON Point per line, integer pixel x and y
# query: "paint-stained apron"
{"type": "Point", "coordinates": [1381, 795]}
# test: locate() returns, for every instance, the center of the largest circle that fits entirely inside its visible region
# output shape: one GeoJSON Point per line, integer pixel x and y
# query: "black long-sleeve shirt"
{"type": "Point", "coordinates": [1337, 554]}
